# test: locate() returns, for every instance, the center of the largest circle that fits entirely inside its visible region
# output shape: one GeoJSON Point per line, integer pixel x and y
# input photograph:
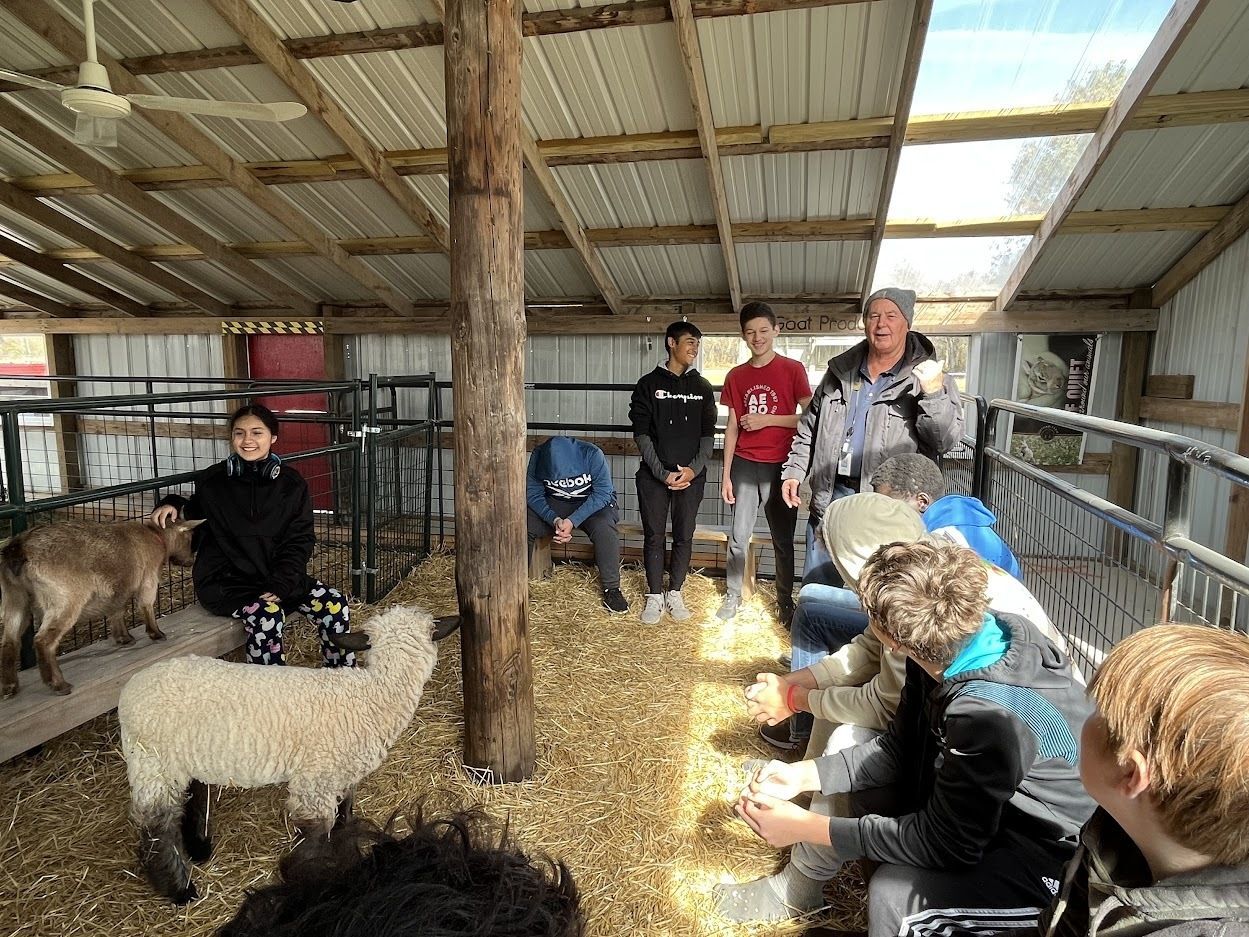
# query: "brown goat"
{"type": "Point", "coordinates": [64, 572]}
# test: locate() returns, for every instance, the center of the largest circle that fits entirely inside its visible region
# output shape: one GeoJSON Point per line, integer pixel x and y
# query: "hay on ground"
{"type": "Point", "coordinates": [640, 735]}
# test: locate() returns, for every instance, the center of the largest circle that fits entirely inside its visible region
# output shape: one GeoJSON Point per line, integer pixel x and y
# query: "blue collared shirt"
{"type": "Point", "coordinates": [863, 393]}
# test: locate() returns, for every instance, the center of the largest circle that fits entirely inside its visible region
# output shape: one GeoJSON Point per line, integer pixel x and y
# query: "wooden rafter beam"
{"type": "Point", "coordinates": [67, 39]}
{"type": "Point", "coordinates": [569, 224]}
{"type": "Point", "coordinates": [1175, 27]}
{"type": "Point", "coordinates": [425, 35]}
{"type": "Point", "coordinates": [906, 93]}
{"type": "Point", "coordinates": [1233, 224]}
{"type": "Point", "coordinates": [101, 247]}
{"type": "Point", "coordinates": [1092, 222]}
{"type": "Point", "coordinates": [261, 39]}
{"type": "Point", "coordinates": [712, 317]}
{"type": "Point", "coordinates": [36, 301]}
{"type": "Point", "coordinates": [1157, 112]}
{"type": "Point", "coordinates": [696, 78]}
{"type": "Point", "coordinates": [57, 270]}
{"type": "Point", "coordinates": [56, 148]}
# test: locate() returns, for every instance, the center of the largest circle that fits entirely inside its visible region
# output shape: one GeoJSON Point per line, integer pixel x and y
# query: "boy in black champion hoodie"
{"type": "Point", "coordinates": [673, 412]}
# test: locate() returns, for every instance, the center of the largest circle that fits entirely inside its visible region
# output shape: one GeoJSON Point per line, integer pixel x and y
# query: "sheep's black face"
{"type": "Point", "coordinates": [446, 626]}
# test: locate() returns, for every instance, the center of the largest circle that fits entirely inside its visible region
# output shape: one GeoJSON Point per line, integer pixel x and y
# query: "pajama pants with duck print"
{"type": "Point", "coordinates": [324, 606]}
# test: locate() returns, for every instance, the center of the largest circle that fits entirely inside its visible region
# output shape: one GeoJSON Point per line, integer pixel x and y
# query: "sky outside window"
{"type": "Point", "coordinates": [992, 55]}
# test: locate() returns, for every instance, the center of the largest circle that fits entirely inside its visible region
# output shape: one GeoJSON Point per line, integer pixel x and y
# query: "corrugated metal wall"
{"type": "Point", "coordinates": [1203, 331]}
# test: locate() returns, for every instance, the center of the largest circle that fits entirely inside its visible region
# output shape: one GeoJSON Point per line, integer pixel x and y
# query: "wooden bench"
{"type": "Point", "coordinates": [99, 671]}
{"type": "Point", "coordinates": [540, 562]}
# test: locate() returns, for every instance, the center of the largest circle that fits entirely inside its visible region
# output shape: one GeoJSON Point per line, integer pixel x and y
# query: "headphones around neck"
{"type": "Point", "coordinates": [270, 468]}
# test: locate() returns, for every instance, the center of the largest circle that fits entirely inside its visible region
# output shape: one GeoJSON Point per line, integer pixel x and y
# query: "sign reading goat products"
{"type": "Point", "coordinates": [1052, 371]}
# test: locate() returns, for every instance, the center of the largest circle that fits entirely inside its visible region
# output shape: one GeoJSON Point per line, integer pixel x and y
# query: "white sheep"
{"type": "Point", "coordinates": [194, 721]}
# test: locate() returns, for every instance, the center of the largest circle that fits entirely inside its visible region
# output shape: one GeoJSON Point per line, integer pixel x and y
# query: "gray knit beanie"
{"type": "Point", "coordinates": [903, 299]}
{"type": "Point", "coordinates": [855, 526]}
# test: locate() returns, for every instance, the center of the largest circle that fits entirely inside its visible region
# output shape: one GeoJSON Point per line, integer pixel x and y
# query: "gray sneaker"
{"type": "Point", "coordinates": [654, 608]}
{"type": "Point", "coordinates": [676, 605]}
{"type": "Point", "coordinates": [728, 608]}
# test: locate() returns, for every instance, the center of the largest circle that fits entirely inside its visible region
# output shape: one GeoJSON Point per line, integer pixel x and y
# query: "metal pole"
{"type": "Point", "coordinates": [358, 439]}
{"type": "Point", "coordinates": [437, 418]}
{"type": "Point", "coordinates": [370, 498]}
{"type": "Point", "coordinates": [151, 429]}
{"type": "Point", "coordinates": [11, 426]}
{"type": "Point", "coordinates": [431, 429]}
{"type": "Point", "coordinates": [1176, 522]}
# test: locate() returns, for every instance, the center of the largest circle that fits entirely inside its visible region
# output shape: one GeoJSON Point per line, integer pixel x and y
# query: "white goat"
{"type": "Point", "coordinates": [194, 721]}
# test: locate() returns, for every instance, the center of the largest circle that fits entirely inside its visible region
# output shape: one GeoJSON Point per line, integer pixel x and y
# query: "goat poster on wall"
{"type": "Point", "coordinates": [1052, 371]}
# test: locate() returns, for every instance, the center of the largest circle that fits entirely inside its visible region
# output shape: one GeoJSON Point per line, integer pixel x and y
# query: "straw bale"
{"type": "Point", "coordinates": [640, 734]}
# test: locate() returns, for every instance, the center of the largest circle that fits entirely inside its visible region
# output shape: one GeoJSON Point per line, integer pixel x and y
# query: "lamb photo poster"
{"type": "Point", "coordinates": [1052, 371]}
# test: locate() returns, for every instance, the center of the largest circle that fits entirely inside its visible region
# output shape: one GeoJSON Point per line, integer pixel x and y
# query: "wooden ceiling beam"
{"type": "Point", "coordinates": [426, 35]}
{"type": "Point", "coordinates": [1092, 222]}
{"type": "Point", "coordinates": [1157, 112]}
{"type": "Point", "coordinates": [700, 96]}
{"type": "Point", "coordinates": [645, 318]}
{"type": "Point", "coordinates": [36, 301]}
{"type": "Point", "coordinates": [906, 94]}
{"type": "Point", "coordinates": [57, 270]}
{"type": "Point", "coordinates": [1171, 34]}
{"type": "Point", "coordinates": [261, 39]}
{"type": "Point", "coordinates": [56, 148]}
{"type": "Point", "coordinates": [1233, 225]}
{"type": "Point", "coordinates": [101, 247]}
{"type": "Point", "coordinates": [67, 39]}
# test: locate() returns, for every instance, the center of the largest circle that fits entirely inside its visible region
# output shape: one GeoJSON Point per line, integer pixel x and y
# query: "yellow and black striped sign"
{"type": "Point", "coordinates": [249, 327]}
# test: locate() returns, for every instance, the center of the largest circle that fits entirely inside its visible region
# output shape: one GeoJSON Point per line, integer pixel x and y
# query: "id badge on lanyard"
{"type": "Point", "coordinates": [847, 451]}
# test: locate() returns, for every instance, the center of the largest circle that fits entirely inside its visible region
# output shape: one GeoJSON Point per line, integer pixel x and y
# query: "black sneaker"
{"type": "Point", "coordinates": [784, 611]}
{"type": "Point", "coordinates": [778, 736]}
{"type": "Point", "coordinates": [614, 601]}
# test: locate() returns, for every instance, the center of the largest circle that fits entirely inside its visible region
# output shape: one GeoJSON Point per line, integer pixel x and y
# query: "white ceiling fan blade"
{"type": "Point", "coordinates": [30, 81]}
{"type": "Point", "coordinates": [95, 131]}
{"type": "Point", "coordinates": [242, 110]}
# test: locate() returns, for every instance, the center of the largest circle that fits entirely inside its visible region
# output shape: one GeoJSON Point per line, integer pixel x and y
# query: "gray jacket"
{"type": "Point", "coordinates": [901, 419]}
{"type": "Point", "coordinates": [1107, 892]}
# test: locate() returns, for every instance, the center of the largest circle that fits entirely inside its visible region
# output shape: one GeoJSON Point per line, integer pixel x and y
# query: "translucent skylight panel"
{"type": "Point", "coordinates": [992, 54]}
{"type": "Point", "coordinates": [967, 266]}
{"type": "Point", "coordinates": [988, 179]}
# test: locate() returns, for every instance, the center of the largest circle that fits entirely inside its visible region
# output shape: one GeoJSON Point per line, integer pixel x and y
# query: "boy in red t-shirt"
{"type": "Point", "coordinates": [763, 396]}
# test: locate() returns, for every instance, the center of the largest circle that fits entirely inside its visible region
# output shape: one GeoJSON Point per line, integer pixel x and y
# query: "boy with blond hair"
{"type": "Point", "coordinates": [971, 800]}
{"type": "Point", "coordinates": [1166, 756]}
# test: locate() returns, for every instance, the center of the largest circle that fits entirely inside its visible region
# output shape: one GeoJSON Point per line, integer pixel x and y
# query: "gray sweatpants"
{"type": "Point", "coordinates": [755, 484]}
{"type": "Point", "coordinates": [600, 527]}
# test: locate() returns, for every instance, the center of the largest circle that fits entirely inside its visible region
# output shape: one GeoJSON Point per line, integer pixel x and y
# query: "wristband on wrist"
{"type": "Point", "coordinates": [789, 698]}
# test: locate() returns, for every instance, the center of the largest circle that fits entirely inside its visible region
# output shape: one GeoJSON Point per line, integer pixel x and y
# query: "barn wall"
{"type": "Point", "coordinates": [1204, 331]}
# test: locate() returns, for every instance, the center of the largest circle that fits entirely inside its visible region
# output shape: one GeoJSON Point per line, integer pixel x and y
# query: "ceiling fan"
{"type": "Point", "coordinates": [98, 109]}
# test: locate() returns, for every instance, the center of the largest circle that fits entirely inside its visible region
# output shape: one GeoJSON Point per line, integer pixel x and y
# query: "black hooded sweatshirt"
{"type": "Point", "coordinates": [259, 536]}
{"type": "Point", "coordinates": [677, 412]}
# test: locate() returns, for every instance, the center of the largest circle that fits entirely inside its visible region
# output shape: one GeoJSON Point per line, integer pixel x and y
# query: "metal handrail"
{"type": "Point", "coordinates": [57, 405]}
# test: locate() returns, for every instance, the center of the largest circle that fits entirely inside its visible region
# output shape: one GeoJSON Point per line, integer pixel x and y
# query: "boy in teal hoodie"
{"type": "Point", "coordinates": [569, 485]}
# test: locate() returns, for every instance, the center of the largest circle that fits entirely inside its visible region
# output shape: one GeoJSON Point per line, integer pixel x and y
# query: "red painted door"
{"type": "Point", "coordinates": [273, 357]}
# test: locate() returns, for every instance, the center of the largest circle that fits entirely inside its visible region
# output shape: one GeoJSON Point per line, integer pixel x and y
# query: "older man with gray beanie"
{"type": "Point", "coordinates": [886, 395]}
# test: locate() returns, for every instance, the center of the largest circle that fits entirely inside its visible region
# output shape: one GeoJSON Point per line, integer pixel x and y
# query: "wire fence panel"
{"type": "Point", "coordinates": [399, 529]}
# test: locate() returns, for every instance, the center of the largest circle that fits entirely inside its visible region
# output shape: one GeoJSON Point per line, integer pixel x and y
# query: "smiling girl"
{"type": "Point", "coordinates": [253, 552]}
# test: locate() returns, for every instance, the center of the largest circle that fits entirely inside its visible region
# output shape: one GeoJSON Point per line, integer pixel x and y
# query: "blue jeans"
{"type": "Point", "coordinates": [819, 566]}
{"type": "Point", "coordinates": [826, 618]}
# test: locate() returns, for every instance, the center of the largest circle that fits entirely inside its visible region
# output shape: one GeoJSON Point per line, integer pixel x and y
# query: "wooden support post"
{"type": "Point", "coordinates": [1125, 459]}
{"type": "Point", "coordinates": [60, 357]}
{"type": "Point", "coordinates": [234, 357]}
{"type": "Point", "coordinates": [483, 53]}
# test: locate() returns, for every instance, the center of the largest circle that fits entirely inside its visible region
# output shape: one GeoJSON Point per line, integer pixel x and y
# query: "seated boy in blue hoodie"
{"type": "Point", "coordinates": [917, 480]}
{"type": "Point", "coordinates": [569, 485]}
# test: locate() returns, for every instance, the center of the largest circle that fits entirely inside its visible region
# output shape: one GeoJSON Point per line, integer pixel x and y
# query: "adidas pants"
{"type": "Point", "coordinates": [324, 606]}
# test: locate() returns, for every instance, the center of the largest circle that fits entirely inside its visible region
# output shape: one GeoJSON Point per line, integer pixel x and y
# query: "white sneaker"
{"type": "Point", "coordinates": [654, 608]}
{"type": "Point", "coordinates": [676, 605]}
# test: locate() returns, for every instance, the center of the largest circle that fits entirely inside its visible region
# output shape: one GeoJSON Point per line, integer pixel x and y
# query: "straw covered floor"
{"type": "Point", "coordinates": [641, 732]}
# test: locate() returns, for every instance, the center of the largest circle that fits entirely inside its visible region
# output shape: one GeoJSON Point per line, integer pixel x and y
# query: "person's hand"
{"type": "Point", "coordinates": [753, 421]}
{"type": "Point", "coordinates": [563, 530]}
{"type": "Point", "coordinates": [673, 480]}
{"type": "Point", "coordinates": [931, 375]}
{"type": "Point", "coordinates": [164, 515]}
{"type": "Point", "coordinates": [780, 823]}
{"type": "Point", "coordinates": [782, 780]}
{"type": "Point", "coordinates": [789, 492]}
{"type": "Point", "coordinates": [270, 597]}
{"type": "Point", "coordinates": [726, 490]}
{"type": "Point", "coordinates": [687, 475]}
{"type": "Point", "coordinates": [765, 699]}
